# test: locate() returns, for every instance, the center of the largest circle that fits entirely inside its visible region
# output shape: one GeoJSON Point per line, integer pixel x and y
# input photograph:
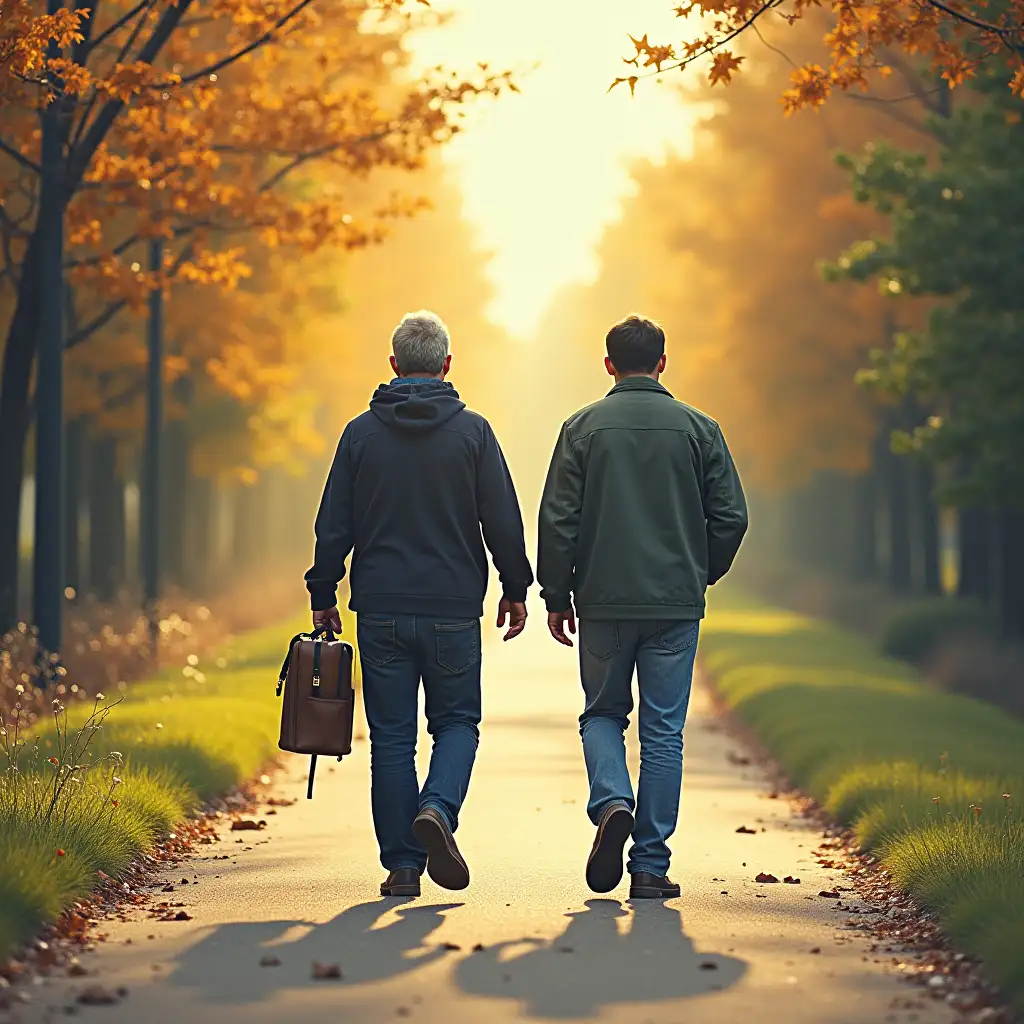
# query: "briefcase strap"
{"type": "Point", "coordinates": [318, 635]}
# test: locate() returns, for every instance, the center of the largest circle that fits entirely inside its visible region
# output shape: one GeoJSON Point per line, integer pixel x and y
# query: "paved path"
{"type": "Point", "coordinates": [305, 890]}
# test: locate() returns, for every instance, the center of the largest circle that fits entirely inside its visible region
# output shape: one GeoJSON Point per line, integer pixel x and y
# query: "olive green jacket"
{"type": "Point", "coordinates": [642, 508]}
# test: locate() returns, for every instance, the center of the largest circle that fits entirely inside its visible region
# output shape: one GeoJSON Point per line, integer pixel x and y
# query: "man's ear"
{"type": "Point", "coordinates": [610, 367]}
{"type": "Point", "coordinates": [663, 362]}
{"type": "Point", "coordinates": [447, 366]}
{"type": "Point", "coordinates": [394, 366]}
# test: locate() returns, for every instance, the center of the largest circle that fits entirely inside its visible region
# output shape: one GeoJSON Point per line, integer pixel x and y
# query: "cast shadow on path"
{"type": "Point", "coordinates": [224, 966]}
{"type": "Point", "coordinates": [594, 964]}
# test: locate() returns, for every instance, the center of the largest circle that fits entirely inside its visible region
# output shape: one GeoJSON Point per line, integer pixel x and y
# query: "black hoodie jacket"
{"type": "Point", "coordinates": [413, 481]}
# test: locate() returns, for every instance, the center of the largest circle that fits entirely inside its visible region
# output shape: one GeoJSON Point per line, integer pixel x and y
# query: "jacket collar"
{"type": "Point", "coordinates": [639, 384]}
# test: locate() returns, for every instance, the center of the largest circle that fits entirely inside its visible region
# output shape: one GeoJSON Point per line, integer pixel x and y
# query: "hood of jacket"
{"type": "Point", "coordinates": [416, 406]}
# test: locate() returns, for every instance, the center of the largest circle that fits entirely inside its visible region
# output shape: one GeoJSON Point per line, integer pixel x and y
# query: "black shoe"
{"type": "Point", "coordinates": [444, 862]}
{"type": "Point", "coordinates": [403, 882]}
{"type": "Point", "coordinates": [645, 886]}
{"type": "Point", "coordinates": [604, 865]}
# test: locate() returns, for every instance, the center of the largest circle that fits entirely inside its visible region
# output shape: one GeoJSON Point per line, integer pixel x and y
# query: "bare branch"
{"type": "Point", "coordinates": [988, 27]}
{"type": "Point", "coordinates": [14, 154]}
{"type": "Point", "coordinates": [315, 154]}
{"type": "Point", "coordinates": [245, 50]}
{"type": "Point", "coordinates": [138, 9]}
{"type": "Point", "coordinates": [129, 43]}
{"type": "Point", "coordinates": [717, 44]}
{"type": "Point", "coordinates": [82, 154]}
{"type": "Point", "coordinates": [101, 320]}
{"type": "Point", "coordinates": [893, 112]}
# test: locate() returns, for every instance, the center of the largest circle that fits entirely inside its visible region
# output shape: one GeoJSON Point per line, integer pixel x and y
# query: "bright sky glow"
{"type": "Point", "coordinates": [542, 172]}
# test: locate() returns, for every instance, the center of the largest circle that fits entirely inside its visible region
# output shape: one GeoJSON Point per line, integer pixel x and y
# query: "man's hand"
{"type": "Point", "coordinates": [329, 617]}
{"type": "Point", "coordinates": [557, 623]}
{"type": "Point", "coordinates": [513, 612]}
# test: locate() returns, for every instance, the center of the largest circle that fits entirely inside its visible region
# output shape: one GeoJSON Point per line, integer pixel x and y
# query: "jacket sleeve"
{"type": "Point", "coordinates": [725, 508]}
{"type": "Point", "coordinates": [334, 538]}
{"type": "Point", "coordinates": [560, 510]}
{"type": "Point", "coordinates": [501, 519]}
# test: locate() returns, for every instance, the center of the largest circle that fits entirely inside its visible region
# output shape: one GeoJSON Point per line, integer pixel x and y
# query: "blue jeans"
{"type": "Point", "coordinates": [396, 652]}
{"type": "Point", "coordinates": [662, 654]}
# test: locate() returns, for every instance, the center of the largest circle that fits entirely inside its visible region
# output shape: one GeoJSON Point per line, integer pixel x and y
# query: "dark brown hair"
{"type": "Point", "coordinates": [635, 345]}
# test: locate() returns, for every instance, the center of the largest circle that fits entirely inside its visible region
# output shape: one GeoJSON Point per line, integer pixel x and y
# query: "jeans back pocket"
{"type": "Point", "coordinates": [600, 637]}
{"type": "Point", "coordinates": [677, 635]}
{"type": "Point", "coordinates": [458, 645]}
{"type": "Point", "coordinates": [377, 641]}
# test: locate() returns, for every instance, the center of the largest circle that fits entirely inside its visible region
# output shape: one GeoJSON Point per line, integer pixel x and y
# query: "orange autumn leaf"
{"type": "Point", "coordinates": [723, 65]}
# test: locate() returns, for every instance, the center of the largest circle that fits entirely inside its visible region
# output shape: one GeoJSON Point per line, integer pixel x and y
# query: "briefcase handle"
{"type": "Point", "coordinates": [317, 636]}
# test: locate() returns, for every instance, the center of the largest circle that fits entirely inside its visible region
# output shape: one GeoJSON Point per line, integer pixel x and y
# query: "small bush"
{"type": "Point", "coordinates": [930, 781]}
{"type": "Point", "coordinates": [984, 668]}
{"type": "Point", "coordinates": [918, 632]}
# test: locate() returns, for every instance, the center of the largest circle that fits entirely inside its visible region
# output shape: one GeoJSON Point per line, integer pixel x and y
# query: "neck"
{"type": "Point", "coordinates": [620, 377]}
{"type": "Point", "coordinates": [421, 376]}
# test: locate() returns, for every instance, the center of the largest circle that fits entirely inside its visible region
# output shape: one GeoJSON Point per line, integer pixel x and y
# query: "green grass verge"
{"type": "Point", "coordinates": [919, 775]}
{"type": "Point", "coordinates": [183, 739]}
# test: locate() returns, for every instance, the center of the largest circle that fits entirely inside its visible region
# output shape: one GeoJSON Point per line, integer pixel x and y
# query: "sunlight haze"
{"type": "Point", "coordinates": [542, 172]}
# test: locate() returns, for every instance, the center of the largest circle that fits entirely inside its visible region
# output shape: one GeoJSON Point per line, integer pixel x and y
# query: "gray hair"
{"type": "Point", "coordinates": [420, 343]}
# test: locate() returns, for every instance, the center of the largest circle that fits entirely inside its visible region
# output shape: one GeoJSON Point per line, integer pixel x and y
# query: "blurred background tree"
{"type": "Point", "coordinates": [246, 137]}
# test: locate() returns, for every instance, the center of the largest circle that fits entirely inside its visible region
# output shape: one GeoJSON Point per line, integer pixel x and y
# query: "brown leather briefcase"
{"type": "Point", "coordinates": [319, 701]}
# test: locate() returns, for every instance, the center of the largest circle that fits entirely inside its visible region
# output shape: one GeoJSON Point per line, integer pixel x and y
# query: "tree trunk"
{"type": "Point", "coordinates": [928, 519]}
{"type": "Point", "coordinates": [106, 521]}
{"type": "Point", "coordinates": [1013, 575]}
{"type": "Point", "coordinates": [15, 417]}
{"type": "Point", "coordinates": [199, 535]}
{"type": "Point", "coordinates": [75, 441]}
{"type": "Point", "coordinates": [975, 560]}
{"type": "Point", "coordinates": [897, 507]}
{"type": "Point", "coordinates": [176, 488]}
{"type": "Point", "coordinates": [251, 540]}
{"type": "Point", "coordinates": [864, 558]}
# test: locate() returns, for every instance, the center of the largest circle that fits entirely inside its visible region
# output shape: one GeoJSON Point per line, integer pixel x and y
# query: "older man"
{"type": "Point", "coordinates": [642, 510]}
{"type": "Point", "coordinates": [418, 486]}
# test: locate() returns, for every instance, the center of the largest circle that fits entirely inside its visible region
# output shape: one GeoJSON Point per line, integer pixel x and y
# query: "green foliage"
{"type": "Point", "coordinates": [142, 766]}
{"type": "Point", "coordinates": [918, 632]}
{"type": "Point", "coordinates": [919, 775]}
{"type": "Point", "coordinates": [956, 237]}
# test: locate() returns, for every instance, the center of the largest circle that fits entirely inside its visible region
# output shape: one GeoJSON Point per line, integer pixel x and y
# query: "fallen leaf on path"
{"type": "Point", "coordinates": [814, 949]}
{"type": "Point", "coordinates": [790, 880]}
{"type": "Point", "coordinates": [763, 876]}
{"type": "Point", "coordinates": [450, 945]}
{"type": "Point", "coordinates": [829, 895]}
{"type": "Point", "coordinates": [478, 948]}
{"type": "Point", "coordinates": [97, 995]}
{"type": "Point", "coordinates": [247, 825]}
{"type": "Point", "coordinates": [276, 801]}
{"type": "Point", "coordinates": [168, 888]}
{"type": "Point", "coordinates": [743, 830]}
{"type": "Point", "coordinates": [270, 961]}
{"type": "Point", "coordinates": [707, 965]}
{"type": "Point", "coordinates": [737, 759]}
{"type": "Point", "coordinates": [326, 972]}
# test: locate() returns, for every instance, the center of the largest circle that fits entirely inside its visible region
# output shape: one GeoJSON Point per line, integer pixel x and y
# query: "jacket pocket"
{"type": "Point", "coordinates": [600, 637]}
{"type": "Point", "coordinates": [677, 635]}
{"type": "Point", "coordinates": [458, 645]}
{"type": "Point", "coordinates": [377, 642]}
